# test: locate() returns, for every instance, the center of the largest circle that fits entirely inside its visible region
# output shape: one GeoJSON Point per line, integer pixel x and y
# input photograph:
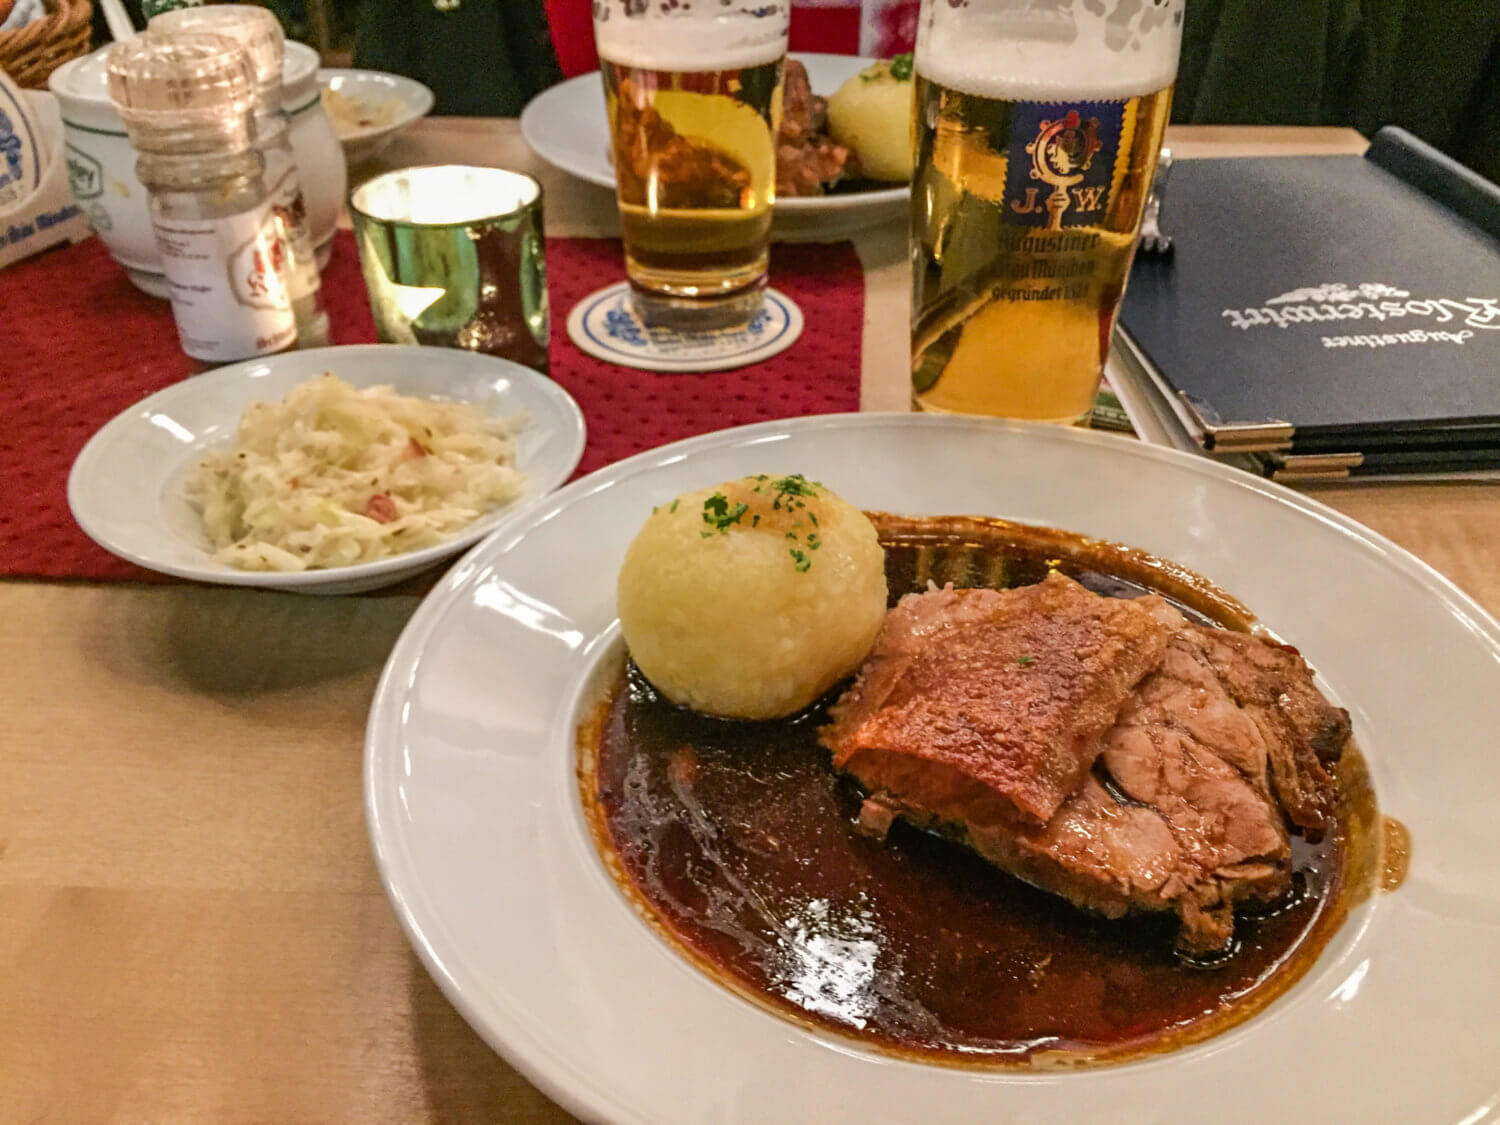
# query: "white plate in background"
{"type": "Point", "coordinates": [566, 125]}
{"type": "Point", "coordinates": [125, 488]}
{"type": "Point", "coordinates": [483, 848]}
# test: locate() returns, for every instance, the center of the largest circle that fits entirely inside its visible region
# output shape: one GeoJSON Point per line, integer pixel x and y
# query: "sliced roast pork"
{"type": "Point", "coordinates": [1105, 750]}
{"type": "Point", "coordinates": [994, 696]}
{"type": "Point", "coordinates": [1304, 733]}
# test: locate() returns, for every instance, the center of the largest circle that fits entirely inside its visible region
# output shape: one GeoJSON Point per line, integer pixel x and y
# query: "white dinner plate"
{"type": "Point", "coordinates": [405, 99]}
{"type": "Point", "coordinates": [479, 836]}
{"type": "Point", "coordinates": [566, 126]}
{"type": "Point", "coordinates": [126, 486]}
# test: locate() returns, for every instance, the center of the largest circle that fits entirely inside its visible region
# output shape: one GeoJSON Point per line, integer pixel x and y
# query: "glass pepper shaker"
{"type": "Point", "coordinates": [188, 100]}
{"type": "Point", "coordinates": [259, 32]}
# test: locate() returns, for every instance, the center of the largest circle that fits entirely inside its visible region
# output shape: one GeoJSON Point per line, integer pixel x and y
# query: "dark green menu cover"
{"type": "Point", "coordinates": [1330, 306]}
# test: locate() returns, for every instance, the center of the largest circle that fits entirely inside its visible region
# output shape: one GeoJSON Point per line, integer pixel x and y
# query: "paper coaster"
{"type": "Point", "coordinates": [605, 326]}
{"type": "Point", "coordinates": [21, 155]}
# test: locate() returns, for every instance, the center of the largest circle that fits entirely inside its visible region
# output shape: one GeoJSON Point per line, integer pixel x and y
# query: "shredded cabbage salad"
{"type": "Point", "coordinates": [334, 476]}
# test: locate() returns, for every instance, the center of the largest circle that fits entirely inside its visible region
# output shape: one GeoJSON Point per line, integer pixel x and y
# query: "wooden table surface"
{"type": "Point", "coordinates": [191, 927]}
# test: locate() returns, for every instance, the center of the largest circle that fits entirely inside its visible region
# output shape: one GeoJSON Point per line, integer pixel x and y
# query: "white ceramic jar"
{"type": "Point", "coordinates": [101, 163]}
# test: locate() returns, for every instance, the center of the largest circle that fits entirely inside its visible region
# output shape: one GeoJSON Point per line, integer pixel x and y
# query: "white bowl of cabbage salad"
{"type": "Point", "coordinates": [315, 471]}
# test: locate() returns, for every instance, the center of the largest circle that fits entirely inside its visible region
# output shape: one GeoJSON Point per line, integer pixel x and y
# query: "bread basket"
{"type": "Point", "coordinates": [29, 54]}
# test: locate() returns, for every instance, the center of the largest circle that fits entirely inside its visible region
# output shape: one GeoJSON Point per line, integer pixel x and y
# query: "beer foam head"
{"type": "Point", "coordinates": [1051, 50]}
{"type": "Point", "coordinates": [692, 40]}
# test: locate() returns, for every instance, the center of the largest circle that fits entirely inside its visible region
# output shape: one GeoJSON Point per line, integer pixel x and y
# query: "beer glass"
{"type": "Point", "coordinates": [1038, 125]}
{"type": "Point", "coordinates": [693, 92]}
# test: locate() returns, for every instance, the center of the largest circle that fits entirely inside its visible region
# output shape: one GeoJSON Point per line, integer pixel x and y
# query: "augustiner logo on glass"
{"type": "Point", "coordinates": [1061, 162]}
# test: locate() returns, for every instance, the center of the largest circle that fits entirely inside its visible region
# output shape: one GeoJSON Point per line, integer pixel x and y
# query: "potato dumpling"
{"type": "Point", "coordinates": [871, 114]}
{"type": "Point", "coordinates": [752, 598]}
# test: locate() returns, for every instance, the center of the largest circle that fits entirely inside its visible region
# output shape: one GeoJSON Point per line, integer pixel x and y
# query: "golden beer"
{"type": "Point", "coordinates": [1038, 129]}
{"type": "Point", "coordinates": [695, 164]}
{"type": "Point", "coordinates": [1024, 226]}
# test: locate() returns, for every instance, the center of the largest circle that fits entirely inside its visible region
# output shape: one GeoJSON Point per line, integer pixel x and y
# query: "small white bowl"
{"type": "Point", "coordinates": [126, 487]}
{"type": "Point", "coordinates": [405, 99]}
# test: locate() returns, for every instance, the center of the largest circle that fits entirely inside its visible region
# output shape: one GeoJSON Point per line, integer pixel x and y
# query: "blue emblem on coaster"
{"type": "Point", "coordinates": [605, 325]}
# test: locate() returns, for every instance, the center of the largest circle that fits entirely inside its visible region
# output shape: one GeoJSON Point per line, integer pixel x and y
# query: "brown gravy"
{"type": "Point", "coordinates": [1395, 853]}
{"type": "Point", "coordinates": [739, 842]}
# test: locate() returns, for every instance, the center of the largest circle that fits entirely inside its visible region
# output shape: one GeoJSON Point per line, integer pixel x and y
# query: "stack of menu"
{"type": "Point", "coordinates": [1323, 317]}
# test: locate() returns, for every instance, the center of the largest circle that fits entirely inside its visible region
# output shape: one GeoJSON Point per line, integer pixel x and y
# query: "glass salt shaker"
{"type": "Point", "coordinates": [259, 32]}
{"type": "Point", "coordinates": [188, 103]}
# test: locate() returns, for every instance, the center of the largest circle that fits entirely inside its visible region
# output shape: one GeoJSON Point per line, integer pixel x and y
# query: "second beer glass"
{"type": "Point", "coordinates": [693, 92]}
{"type": "Point", "coordinates": [1037, 134]}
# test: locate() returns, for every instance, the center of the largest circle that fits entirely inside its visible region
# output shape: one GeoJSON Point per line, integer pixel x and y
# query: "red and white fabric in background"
{"type": "Point", "coordinates": [873, 28]}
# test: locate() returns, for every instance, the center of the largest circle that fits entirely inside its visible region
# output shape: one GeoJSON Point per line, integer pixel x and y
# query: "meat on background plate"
{"type": "Point", "coordinates": [807, 158]}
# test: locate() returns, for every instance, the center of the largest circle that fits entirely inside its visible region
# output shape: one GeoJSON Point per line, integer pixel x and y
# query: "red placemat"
{"type": "Point", "coordinates": [629, 410]}
{"type": "Point", "coordinates": [86, 345]}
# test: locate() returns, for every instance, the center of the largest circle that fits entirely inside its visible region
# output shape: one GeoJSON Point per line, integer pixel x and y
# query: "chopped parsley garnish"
{"type": "Point", "coordinates": [673, 508]}
{"type": "Point", "coordinates": [901, 67]}
{"type": "Point", "coordinates": [786, 492]}
{"type": "Point", "coordinates": [719, 514]}
{"type": "Point", "coordinates": [1025, 660]}
{"type": "Point", "coordinates": [796, 485]}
